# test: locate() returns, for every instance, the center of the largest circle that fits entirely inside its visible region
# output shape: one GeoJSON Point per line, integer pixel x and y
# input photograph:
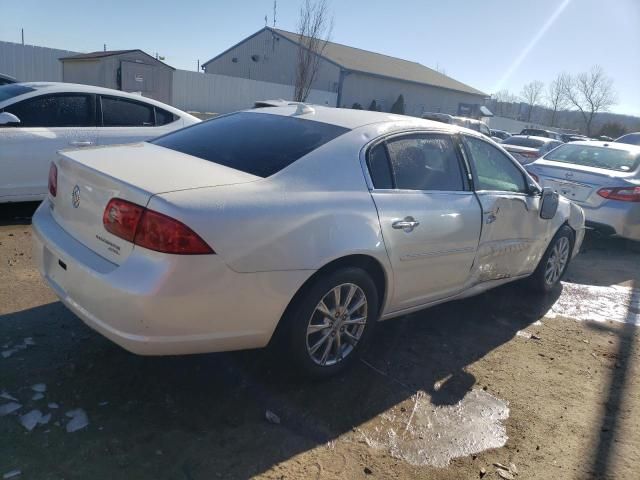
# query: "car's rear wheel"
{"type": "Point", "coordinates": [331, 322]}
{"type": "Point", "coordinates": [554, 262]}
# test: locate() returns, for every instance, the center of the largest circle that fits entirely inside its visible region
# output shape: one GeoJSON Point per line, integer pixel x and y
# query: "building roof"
{"type": "Point", "coordinates": [109, 53]}
{"type": "Point", "coordinates": [364, 61]}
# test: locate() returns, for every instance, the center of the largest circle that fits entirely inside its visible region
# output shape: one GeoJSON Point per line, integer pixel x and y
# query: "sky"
{"type": "Point", "coordinates": [488, 44]}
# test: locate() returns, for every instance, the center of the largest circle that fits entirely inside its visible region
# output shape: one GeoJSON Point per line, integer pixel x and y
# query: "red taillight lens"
{"type": "Point", "coordinates": [535, 177]}
{"type": "Point", "coordinates": [121, 218]}
{"type": "Point", "coordinates": [53, 179]}
{"type": "Point", "coordinates": [151, 230]}
{"type": "Point", "coordinates": [624, 194]}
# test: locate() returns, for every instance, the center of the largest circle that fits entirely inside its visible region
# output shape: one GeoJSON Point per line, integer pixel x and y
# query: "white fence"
{"type": "Point", "coordinates": [29, 63]}
{"type": "Point", "coordinates": [513, 126]}
{"type": "Point", "coordinates": [203, 92]}
{"type": "Point", "coordinates": [192, 91]}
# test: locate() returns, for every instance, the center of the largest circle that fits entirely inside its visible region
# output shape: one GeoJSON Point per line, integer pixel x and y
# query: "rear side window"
{"type": "Point", "coordinates": [630, 138]}
{"type": "Point", "coordinates": [379, 167]}
{"type": "Point", "coordinates": [163, 117]}
{"type": "Point", "coordinates": [256, 143]}
{"type": "Point", "coordinates": [122, 112]}
{"type": "Point", "coordinates": [60, 110]}
{"type": "Point", "coordinates": [425, 162]}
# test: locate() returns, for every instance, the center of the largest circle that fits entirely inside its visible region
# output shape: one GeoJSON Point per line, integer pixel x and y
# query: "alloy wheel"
{"type": "Point", "coordinates": [557, 261]}
{"type": "Point", "coordinates": [337, 324]}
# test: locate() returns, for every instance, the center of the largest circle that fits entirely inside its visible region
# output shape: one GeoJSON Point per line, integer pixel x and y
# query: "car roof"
{"type": "Point", "coordinates": [352, 119]}
{"type": "Point", "coordinates": [533, 137]}
{"type": "Point", "coordinates": [613, 145]}
{"type": "Point", "coordinates": [61, 87]}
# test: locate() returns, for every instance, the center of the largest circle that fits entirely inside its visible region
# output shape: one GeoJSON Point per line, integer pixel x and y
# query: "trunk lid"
{"type": "Point", "coordinates": [523, 154]}
{"type": "Point", "coordinates": [89, 178]}
{"type": "Point", "coordinates": [578, 182]}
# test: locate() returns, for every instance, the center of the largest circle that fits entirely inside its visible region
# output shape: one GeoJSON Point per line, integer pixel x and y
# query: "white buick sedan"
{"type": "Point", "coordinates": [306, 225]}
{"type": "Point", "coordinates": [38, 119]}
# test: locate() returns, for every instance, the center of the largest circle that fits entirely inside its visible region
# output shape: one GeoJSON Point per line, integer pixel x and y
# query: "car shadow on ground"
{"type": "Point", "coordinates": [205, 414]}
{"type": "Point", "coordinates": [17, 213]}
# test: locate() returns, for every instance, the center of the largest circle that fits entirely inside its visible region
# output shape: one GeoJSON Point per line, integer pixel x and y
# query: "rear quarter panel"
{"type": "Point", "coordinates": [316, 210]}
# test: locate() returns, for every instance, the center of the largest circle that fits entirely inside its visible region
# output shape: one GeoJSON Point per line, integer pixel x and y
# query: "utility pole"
{"type": "Point", "coordinates": [22, 32]}
{"type": "Point", "coordinates": [104, 47]}
{"type": "Point", "coordinates": [198, 69]}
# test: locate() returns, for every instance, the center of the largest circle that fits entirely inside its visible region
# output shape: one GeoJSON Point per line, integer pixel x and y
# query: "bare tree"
{"type": "Point", "coordinates": [556, 96]}
{"type": "Point", "coordinates": [532, 94]}
{"type": "Point", "coordinates": [314, 30]}
{"type": "Point", "coordinates": [591, 92]}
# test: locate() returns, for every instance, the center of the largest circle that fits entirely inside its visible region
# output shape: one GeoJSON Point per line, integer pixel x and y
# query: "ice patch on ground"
{"type": "Point", "coordinates": [597, 303]}
{"type": "Point", "coordinates": [425, 434]}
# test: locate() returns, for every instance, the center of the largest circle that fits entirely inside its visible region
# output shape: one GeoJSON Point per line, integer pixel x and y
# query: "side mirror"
{"type": "Point", "coordinates": [549, 204]}
{"type": "Point", "coordinates": [7, 118]}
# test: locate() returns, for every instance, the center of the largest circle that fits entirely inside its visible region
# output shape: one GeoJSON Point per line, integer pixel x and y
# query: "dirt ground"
{"type": "Point", "coordinates": [557, 397]}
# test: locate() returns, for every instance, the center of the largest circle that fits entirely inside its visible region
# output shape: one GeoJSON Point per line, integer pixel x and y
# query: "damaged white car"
{"type": "Point", "coordinates": [305, 224]}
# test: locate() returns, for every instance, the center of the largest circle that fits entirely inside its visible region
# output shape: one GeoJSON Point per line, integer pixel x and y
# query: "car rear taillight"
{"type": "Point", "coordinates": [153, 230]}
{"type": "Point", "coordinates": [535, 177]}
{"type": "Point", "coordinates": [529, 154]}
{"type": "Point", "coordinates": [121, 218]}
{"type": "Point", "coordinates": [624, 194]}
{"type": "Point", "coordinates": [53, 179]}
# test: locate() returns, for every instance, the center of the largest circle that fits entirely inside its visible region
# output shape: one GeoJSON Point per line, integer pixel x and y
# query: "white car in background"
{"type": "Point", "coordinates": [39, 119]}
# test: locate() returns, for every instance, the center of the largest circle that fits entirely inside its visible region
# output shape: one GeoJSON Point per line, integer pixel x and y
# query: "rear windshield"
{"type": "Point", "coordinates": [524, 142]}
{"type": "Point", "coordinates": [256, 143]}
{"type": "Point", "coordinates": [13, 90]}
{"type": "Point", "coordinates": [630, 138]}
{"type": "Point", "coordinates": [599, 157]}
{"type": "Point", "coordinates": [533, 131]}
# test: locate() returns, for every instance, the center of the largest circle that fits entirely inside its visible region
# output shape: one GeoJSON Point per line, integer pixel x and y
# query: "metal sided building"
{"type": "Point", "coordinates": [357, 76]}
{"type": "Point", "coordinates": [126, 70]}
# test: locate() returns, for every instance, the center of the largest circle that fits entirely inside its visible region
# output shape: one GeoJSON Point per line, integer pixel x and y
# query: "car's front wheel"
{"type": "Point", "coordinates": [331, 322]}
{"type": "Point", "coordinates": [554, 262]}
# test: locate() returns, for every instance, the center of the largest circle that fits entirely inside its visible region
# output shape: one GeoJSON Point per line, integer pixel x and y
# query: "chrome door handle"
{"type": "Point", "coordinates": [407, 224]}
{"type": "Point", "coordinates": [81, 143]}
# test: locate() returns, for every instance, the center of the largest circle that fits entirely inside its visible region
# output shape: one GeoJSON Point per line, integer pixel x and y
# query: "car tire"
{"type": "Point", "coordinates": [554, 262]}
{"type": "Point", "coordinates": [314, 317]}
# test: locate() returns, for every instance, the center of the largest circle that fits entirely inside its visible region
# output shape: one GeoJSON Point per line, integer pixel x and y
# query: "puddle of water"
{"type": "Point", "coordinates": [596, 303]}
{"type": "Point", "coordinates": [424, 434]}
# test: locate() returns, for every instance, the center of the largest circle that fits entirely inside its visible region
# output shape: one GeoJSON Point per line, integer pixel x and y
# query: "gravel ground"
{"type": "Point", "coordinates": [547, 386]}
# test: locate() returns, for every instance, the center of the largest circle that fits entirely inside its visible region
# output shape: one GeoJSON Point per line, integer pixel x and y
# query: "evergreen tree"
{"type": "Point", "coordinates": [398, 106]}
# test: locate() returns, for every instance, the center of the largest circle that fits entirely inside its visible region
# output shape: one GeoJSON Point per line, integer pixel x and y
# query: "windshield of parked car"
{"type": "Point", "coordinates": [594, 156]}
{"type": "Point", "coordinates": [630, 138]}
{"type": "Point", "coordinates": [255, 143]}
{"type": "Point", "coordinates": [524, 142]}
{"type": "Point", "coordinates": [11, 90]}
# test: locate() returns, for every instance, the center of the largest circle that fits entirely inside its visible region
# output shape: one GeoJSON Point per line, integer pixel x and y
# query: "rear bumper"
{"type": "Point", "coordinates": [615, 218]}
{"type": "Point", "coordinates": [158, 304]}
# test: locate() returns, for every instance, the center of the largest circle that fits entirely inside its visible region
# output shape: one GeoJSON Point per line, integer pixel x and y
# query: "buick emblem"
{"type": "Point", "coordinates": [75, 197]}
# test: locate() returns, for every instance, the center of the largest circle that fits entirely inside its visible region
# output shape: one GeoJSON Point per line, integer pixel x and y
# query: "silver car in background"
{"type": "Point", "coordinates": [526, 149]}
{"type": "Point", "coordinates": [297, 224]}
{"type": "Point", "coordinates": [602, 177]}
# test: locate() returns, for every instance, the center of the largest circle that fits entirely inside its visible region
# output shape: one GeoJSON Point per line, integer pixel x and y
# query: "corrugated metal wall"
{"type": "Point", "coordinates": [363, 88]}
{"type": "Point", "coordinates": [269, 57]}
{"type": "Point", "coordinates": [203, 92]}
{"type": "Point", "coordinates": [29, 63]}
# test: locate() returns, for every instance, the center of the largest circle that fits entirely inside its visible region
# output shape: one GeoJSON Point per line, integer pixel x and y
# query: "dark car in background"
{"type": "Point", "coordinates": [539, 132]}
{"type": "Point", "coordinates": [573, 137]}
{"type": "Point", "coordinates": [526, 149]}
{"type": "Point", "coordinates": [501, 134]}
{"type": "Point", "coordinates": [629, 138]}
{"type": "Point", "coordinates": [6, 79]}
